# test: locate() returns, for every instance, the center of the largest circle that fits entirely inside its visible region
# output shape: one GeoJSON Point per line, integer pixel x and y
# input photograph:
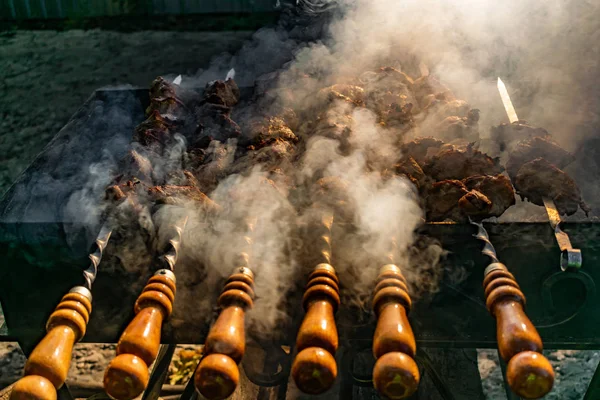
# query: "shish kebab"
{"type": "Point", "coordinates": [570, 257]}
{"type": "Point", "coordinates": [47, 366]}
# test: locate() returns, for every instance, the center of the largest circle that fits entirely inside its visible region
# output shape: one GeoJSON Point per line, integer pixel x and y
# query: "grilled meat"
{"type": "Point", "coordinates": [154, 132]}
{"type": "Point", "coordinates": [497, 189]}
{"type": "Point", "coordinates": [163, 98]}
{"type": "Point", "coordinates": [180, 195]}
{"type": "Point", "coordinates": [386, 87]}
{"type": "Point", "coordinates": [349, 94]}
{"type": "Point", "coordinates": [475, 205]}
{"type": "Point", "coordinates": [421, 149]}
{"type": "Point", "coordinates": [455, 127]}
{"type": "Point", "coordinates": [397, 116]}
{"type": "Point", "coordinates": [430, 86]}
{"type": "Point", "coordinates": [215, 124]}
{"type": "Point", "coordinates": [265, 131]}
{"type": "Point", "coordinates": [538, 179]}
{"type": "Point", "coordinates": [537, 147]}
{"type": "Point", "coordinates": [225, 93]}
{"type": "Point", "coordinates": [460, 164]}
{"type": "Point", "coordinates": [441, 200]}
{"type": "Point", "coordinates": [508, 135]}
{"type": "Point", "coordinates": [412, 170]}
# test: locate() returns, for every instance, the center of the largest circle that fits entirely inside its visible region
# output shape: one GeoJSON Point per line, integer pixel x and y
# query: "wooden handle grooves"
{"type": "Point", "coordinates": [217, 375]}
{"type": "Point", "coordinates": [47, 367]}
{"type": "Point", "coordinates": [529, 373]}
{"type": "Point", "coordinates": [314, 369]}
{"type": "Point", "coordinates": [395, 375]}
{"type": "Point", "coordinates": [127, 375]}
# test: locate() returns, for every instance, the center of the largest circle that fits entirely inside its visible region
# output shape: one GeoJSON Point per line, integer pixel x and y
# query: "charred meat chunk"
{"type": "Point", "coordinates": [538, 179]}
{"type": "Point", "coordinates": [225, 93]}
{"type": "Point", "coordinates": [215, 124]}
{"type": "Point", "coordinates": [163, 98]}
{"type": "Point", "coordinates": [412, 170]}
{"type": "Point", "coordinates": [537, 147]}
{"type": "Point", "coordinates": [154, 132]}
{"type": "Point", "coordinates": [349, 94]}
{"type": "Point", "coordinates": [507, 135]}
{"type": "Point", "coordinates": [421, 149]}
{"type": "Point", "coordinates": [460, 164]}
{"type": "Point", "coordinates": [441, 200]}
{"type": "Point", "coordinates": [498, 189]}
{"type": "Point", "coordinates": [265, 131]}
{"type": "Point", "coordinates": [428, 85]}
{"type": "Point", "coordinates": [386, 87]}
{"type": "Point", "coordinates": [179, 195]}
{"type": "Point", "coordinates": [455, 127]}
{"type": "Point", "coordinates": [475, 205]}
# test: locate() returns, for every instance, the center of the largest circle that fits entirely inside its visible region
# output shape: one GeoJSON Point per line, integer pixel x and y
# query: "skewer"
{"type": "Point", "coordinates": [218, 375]}
{"type": "Point", "coordinates": [48, 365]}
{"type": "Point", "coordinates": [395, 374]}
{"type": "Point", "coordinates": [570, 257]}
{"type": "Point", "coordinates": [127, 374]}
{"type": "Point", "coordinates": [314, 369]}
{"type": "Point", "coordinates": [529, 373]}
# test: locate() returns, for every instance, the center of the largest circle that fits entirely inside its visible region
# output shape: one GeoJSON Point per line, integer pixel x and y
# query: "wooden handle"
{"type": "Point", "coordinates": [529, 373]}
{"type": "Point", "coordinates": [314, 369]}
{"type": "Point", "coordinates": [127, 375]}
{"type": "Point", "coordinates": [47, 367]}
{"type": "Point", "coordinates": [217, 375]}
{"type": "Point", "coordinates": [395, 375]}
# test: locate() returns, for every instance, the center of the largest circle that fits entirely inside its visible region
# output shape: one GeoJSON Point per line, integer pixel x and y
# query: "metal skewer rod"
{"type": "Point", "coordinates": [570, 257]}
{"type": "Point", "coordinates": [48, 365]}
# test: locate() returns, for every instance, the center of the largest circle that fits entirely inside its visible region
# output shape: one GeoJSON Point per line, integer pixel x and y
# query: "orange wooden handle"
{"type": "Point", "coordinates": [314, 369]}
{"type": "Point", "coordinates": [47, 367]}
{"type": "Point", "coordinates": [529, 373]}
{"type": "Point", "coordinates": [127, 375]}
{"type": "Point", "coordinates": [217, 375]}
{"type": "Point", "coordinates": [395, 375]}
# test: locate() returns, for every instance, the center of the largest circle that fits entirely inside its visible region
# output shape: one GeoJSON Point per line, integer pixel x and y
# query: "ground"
{"type": "Point", "coordinates": [46, 75]}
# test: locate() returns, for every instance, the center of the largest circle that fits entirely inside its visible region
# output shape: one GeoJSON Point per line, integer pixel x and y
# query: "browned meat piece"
{"type": "Point", "coordinates": [163, 98]}
{"type": "Point", "coordinates": [180, 195]}
{"type": "Point", "coordinates": [421, 149]}
{"type": "Point", "coordinates": [267, 130]}
{"type": "Point", "coordinates": [154, 132]}
{"type": "Point", "coordinates": [397, 116]}
{"type": "Point", "coordinates": [215, 124]}
{"type": "Point", "coordinates": [353, 95]}
{"type": "Point", "coordinates": [537, 147]}
{"type": "Point", "coordinates": [386, 87]}
{"type": "Point", "coordinates": [455, 127]}
{"type": "Point", "coordinates": [508, 135]}
{"type": "Point", "coordinates": [271, 157]}
{"type": "Point", "coordinates": [225, 93]}
{"type": "Point", "coordinates": [412, 170]}
{"type": "Point", "coordinates": [427, 85]}
{"type": "Point", "coordinates": [475, 205]}
{"type": "Point", "coordinates": [497, 189]}
{"type": "Point", "coordinates": [538, 179]}
{"type": "Point", "coordinates": [461, 164]}
{"type": "Point", "coordinates": [441, 200]}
